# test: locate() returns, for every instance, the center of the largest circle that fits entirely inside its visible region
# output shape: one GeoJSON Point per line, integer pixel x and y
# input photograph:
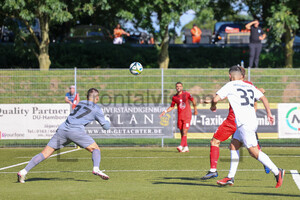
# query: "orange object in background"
{"type": "Point", "coordinates": [245, 30]}
{"type": "Point", "coordinates": [75, 102]}
{"type": "Point", "coordinates": [196, 34]}
{"type": "Point", "coordinates": [231, 30]}
{"type": "Point", "coordinates": [118, 32]}
{"type": "Point", "coordinates": [151, 41]}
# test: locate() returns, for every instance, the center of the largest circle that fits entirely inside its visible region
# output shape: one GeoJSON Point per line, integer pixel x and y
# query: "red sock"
{"type": "Point", "coordinates": [183, 141]}
{"type": "Point", "coordinates": [185, 144]}
{"type": "Point", "coordinates": [258, 147]}
{"type": "Point", "coordinates": [214, 156]}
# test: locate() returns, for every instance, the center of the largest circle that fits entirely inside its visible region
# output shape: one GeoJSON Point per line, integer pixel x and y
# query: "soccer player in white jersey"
{"type": "Point", "coordinates": [241, 97]}
{"type": "Point", "coordinates": [72, 130]}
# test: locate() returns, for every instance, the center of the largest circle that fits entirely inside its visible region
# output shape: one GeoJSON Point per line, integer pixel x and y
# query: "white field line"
{"type": "Point", "coordinates": [296, 177]}
{"type": "Point", "coordinates": [153, 157]}
{"type": "Point", "coordinates": [138, 170]}
{"type": "Point", "coordinates": [23, 163]}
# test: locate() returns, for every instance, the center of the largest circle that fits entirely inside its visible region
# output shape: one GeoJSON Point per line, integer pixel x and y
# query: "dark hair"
{"type": "Point", "coordinates": [91, 93]}
{"type": "Point", "coordinates": [243, 71]}
{"type": "Point", "coordinates": [178, 83]}
{"type": "Point", "coordinates": [235, 68]}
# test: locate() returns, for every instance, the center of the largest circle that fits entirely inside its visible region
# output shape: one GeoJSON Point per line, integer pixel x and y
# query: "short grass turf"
{"type": "Point", "coordinates": [146, 173]}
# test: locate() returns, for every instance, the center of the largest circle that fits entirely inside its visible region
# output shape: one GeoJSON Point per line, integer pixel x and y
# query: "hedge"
{"type": "Point", "coordinates": [104, 55]}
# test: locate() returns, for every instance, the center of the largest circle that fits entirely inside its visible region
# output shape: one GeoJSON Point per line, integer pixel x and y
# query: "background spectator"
{"type": "Point", "coordinates": [70, 96]}
{"type": "Point", "coordinates": [118, 32]}
{"type": "Point", "coordinates": [255, 46]}
{"type": "Point", "coordinates": [196, 34]}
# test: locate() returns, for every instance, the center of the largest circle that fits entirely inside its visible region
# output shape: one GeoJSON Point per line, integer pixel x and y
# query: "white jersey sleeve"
{"type": "Point", "coordinates": [257, 94]}
{"type": "Point", "coordinates": [224, 91]}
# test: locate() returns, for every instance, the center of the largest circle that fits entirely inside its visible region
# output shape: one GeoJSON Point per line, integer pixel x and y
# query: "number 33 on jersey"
{"type": "Point", "coordinates": [241, 97]}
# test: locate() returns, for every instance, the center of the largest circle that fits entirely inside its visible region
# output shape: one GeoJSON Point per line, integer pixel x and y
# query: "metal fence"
{"type": "Point", "coordinates": [152, 86]}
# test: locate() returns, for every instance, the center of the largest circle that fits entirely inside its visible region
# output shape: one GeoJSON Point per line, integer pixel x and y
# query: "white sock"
{"type": "Point", "coordinates": [23, 172]}
{"type": "Point", "coordinates": [266, 161]}
{"type": "Point", "coordinates": [235, 157]}
{"type": "Point", "coordinates": [213, 170]}
{"type": "Point", "coordinates": [95, 169]}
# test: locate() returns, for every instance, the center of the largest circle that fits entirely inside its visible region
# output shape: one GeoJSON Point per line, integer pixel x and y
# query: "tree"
{"type": "Point", "coordinates": [284, 23]}
{"type": "Point", "coordinates": [283, 18]}
{"type": "Point", "coordinates": [166, 13]}
{"type": "Point", "coordinates": [47, 12]}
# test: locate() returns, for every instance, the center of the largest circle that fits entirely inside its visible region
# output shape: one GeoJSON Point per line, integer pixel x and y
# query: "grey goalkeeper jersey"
{"type": "Point", "coordinates": [84, 113]}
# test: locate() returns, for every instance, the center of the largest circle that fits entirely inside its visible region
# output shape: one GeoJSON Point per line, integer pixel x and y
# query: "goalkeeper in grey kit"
{"type": "Point", "coordinates": [72, 130]}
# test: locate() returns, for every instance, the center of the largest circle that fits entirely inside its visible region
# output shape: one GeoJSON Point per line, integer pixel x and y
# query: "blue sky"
{"type": "Point", "coordinates": [184, 19]}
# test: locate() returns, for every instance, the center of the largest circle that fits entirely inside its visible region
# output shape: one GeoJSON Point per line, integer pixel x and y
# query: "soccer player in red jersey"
{"type": "Point", "coordinates": [224, 131]}
{"type": "Point", "coordinates": [182, 99]}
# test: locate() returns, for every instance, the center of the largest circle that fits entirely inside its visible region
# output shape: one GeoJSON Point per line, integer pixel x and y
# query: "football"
{"type": "Point", "coordinates": [136, 68]}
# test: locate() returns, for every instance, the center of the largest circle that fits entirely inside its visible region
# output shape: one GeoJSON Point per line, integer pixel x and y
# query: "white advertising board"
{"type": "Point", "coordinates": [31, 121]}
{"type": "Point", "coordinates": [289, 120]}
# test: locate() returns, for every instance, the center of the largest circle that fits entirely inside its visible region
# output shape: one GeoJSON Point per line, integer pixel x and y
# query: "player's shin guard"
{"type": "Point", "coordinates": [235, 158]}
{"type": "Point", "coordinates": [214, 156]}
{"type": "Point", "coordinates": [266, 161]}
{"type": "Point", "coordinates": [34, 161]}
{"type": "Point", "coordinates": [96, 156]}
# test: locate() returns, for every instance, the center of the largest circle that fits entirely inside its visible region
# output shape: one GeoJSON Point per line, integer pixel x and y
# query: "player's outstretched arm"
{"type": "Point", "coordinates": [67, 100]}
{"type": "Point", "coordinates": [262, 90]}
{"type": "Point", "coordinates": [166, 111]}
{"type": "Point", "coordinates": [268, 110]}
{"type": "Point", "coordinates": [103, 121]}
{"type": "Point", "coordinates": [195, 107]}
{"type": "Point", "coordinates": [214, 102]}
{"type": "Point", "coordinates": [255, 103]}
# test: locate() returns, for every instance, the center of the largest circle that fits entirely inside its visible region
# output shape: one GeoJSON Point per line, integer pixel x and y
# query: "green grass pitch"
{"type": "Point", "coordinates": [146, 173]}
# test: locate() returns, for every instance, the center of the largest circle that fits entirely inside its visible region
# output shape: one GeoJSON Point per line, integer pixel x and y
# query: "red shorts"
{"type": "Point", "coordinates": [225, 130]}
{"type": "Point", "coordinates": [184, 124]}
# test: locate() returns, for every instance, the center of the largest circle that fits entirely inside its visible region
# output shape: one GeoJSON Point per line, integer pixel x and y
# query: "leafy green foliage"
{"type": "Point", "coordinates": [48, 12]}
{"type": "Point", "coordinates": [104, 56]}
{"type": "Point", "coordinates": [282, 19]}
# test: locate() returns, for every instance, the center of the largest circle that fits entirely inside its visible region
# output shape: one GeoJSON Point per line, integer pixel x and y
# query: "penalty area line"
{"type": "Point", "coordinates": [296, 177]}
{"type": "Point", "coordinates": [23, 163]}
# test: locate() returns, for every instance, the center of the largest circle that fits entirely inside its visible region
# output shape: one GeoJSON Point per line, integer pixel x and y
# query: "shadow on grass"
{"type": "Point", "coordinates": [203, 182]}
{"type": "Point", "coordinates": [267, 194]}
{"type": "Point", "coordinates": [183, 183]}
{"type": "Point", "coordinates": [181, 178]}
{"type": "Point", "coordinates": [55, 179]}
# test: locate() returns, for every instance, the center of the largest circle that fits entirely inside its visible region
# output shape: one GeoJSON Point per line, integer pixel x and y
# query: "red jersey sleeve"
{"type": "Point", "coordinates": [173, 102]}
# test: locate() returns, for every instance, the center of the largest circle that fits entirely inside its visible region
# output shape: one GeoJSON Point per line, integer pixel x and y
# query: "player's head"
{"type": "Point", "coordinates": [179, 86]}
{"type": "Point", "coordinates": [118, 26]}
{"type": "Point", "coordinates": [93, 95]}
{"type": "Point", "coordinates": [243, 71]}
{"type": "Point", "coordinates": [235, 73]}
{"type": "Point", "coordinates": [72, 89]}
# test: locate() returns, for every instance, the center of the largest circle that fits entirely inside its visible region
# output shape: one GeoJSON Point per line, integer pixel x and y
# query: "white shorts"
{"type": "Point", "coordinates": [246, 135]}
{"type": "Point", "coordinates": [118, 40]}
